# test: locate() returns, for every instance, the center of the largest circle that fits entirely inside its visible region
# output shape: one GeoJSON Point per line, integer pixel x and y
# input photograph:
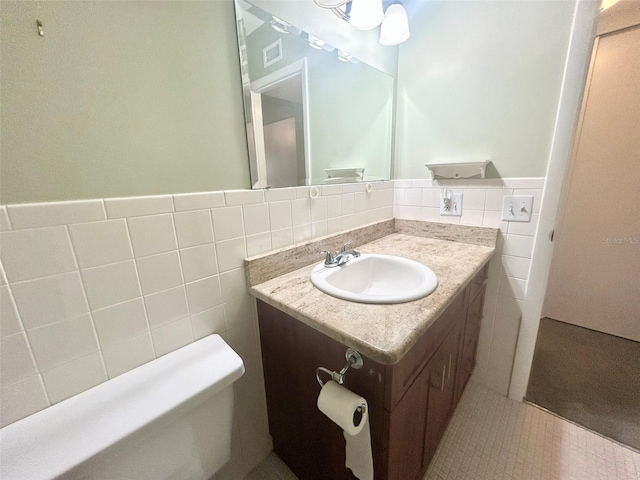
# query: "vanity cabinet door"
{"type": "Point", "coordinates": [404, 429]}
{"type": "Point", "coordinates": [442, 380]}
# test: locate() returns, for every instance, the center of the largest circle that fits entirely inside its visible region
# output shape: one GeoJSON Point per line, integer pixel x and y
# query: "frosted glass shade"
{"type": "Point", "coordinates": [330, 3]}
{"type": "Point", "coordinates": [395, 26]}
{"type": "Point", "coordinates": [366, 14]}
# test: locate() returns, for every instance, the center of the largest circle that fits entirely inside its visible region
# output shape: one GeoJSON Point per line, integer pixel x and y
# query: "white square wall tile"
{"type": "Point", "coordinates": [16, 359]}
{"type": "Point", "coordinates": [243, 197]}
{"type": "Point", "coordinates": [119, 322]}
{"type": "Point", "coordinates": [208, 322]}
{"type": "Point", "coordinates": [359, 202]}
{"type": "Point", "coordinates": [74, 377]}
{"type": "Point", "coordinates": [334, 206]}
{"type": "Point", "coordinates": [302, 233]}
{"type": "Point", "coordinates": [138, 206]}
{"type": "Point", "coordinates": [256, 218]}
{"type": "Point", "coordinates": [128, 354]}
{"type": "Point", "coordinates": [61, 342]}
{"type": "Point", "coordinates": [518, 246]}
{"type": "Point", "coordinates": [100, 243]}
{"type": "Point", "coordinates": [280, 194]}
{"type": "Point", "coordinates": [282, 238]}
{"type": "Point", "coordinates": [197, 201]}
{"type": "Point", "coordinates": [238, 311]}
{"type": "Point", "coordinates": [494, 198]}
{"type": "Point", "coordinates": [233, 284]}
{"type": "Point", "coordinates": [516, 267]}
{"type": "Point", "coordinates": [193, 228]}
{"type": "Point", "coordinates": [348, 203]}
{"type": "Point", "coordinates": [326, 190]}
{"type": "Point", "coordinates": [172, 336]}
{"type": "Point", "coordinates": [34, 215]}
{"type": "Point", "coordinates": [318, 209]}
{"type": "Point", "coordinates": [22, 399]}
{"type": "Point", "coordinates": [231, 254]}
{"type": "Point", "coordinates": [280, 215]}
{"type": "Point", "coordinates": [474, 198]}
{"type": "Point", "coordinates": [227, 223]}
{"type": "Point", "coordinates": [51, 299]}
{"type": "Point", "coordinates": [471, 217]}
{"type": "Point", "coordinates": [493, 219]}
{"type": "Point", "coordinates": [9, 319]}
{"type": "Point", "coordinates": [166, 307]}
{"type": "Point", "coordinates": [513, 287]}
{"type": "Point", "coordinates": [203, 294]}
{"type": "Point", "coordinates": [198, 262]}
{"type": "Point", "coordinates": [301, 211]}
{"type": "Point", "coordinates": [37, 252]}
{"type": "Point", "coordinates": [111, 284]}
{"type": "Point", "coordinates": [524, 228]}
{"type": "Point", "coordinates": [319, 229]}
{"type": "Point", "coordinates": [159, 272]}
{"type": "Point", "coordinates": [153, 234]}
{"type": "Point", "coordinates": [431, 198]}
{"type": "Point", "coordinates": [257, 244]}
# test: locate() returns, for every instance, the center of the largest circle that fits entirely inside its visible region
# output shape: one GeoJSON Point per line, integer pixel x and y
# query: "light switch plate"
{"type": "Point", "coordinates": [455, 209]}
{"type": "Point", "coordinates": [517, 208]}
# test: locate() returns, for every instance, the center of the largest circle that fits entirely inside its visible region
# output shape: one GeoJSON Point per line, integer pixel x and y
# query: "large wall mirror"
{"type": "Point", "coordinates": [315, 113]}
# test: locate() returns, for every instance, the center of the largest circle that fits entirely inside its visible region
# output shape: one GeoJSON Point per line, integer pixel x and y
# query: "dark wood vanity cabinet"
{"type": "Point", "coordinates": [410, 403]}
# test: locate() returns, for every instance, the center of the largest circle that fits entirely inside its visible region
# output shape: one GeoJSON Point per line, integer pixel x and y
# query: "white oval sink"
{"type": "Point", "coordinates": [373, 278]}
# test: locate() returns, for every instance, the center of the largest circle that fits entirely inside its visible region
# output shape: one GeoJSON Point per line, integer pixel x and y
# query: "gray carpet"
{"type": "Point", "coordinates": [588, 377]}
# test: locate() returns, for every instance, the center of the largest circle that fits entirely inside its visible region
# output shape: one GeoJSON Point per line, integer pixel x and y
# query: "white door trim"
{"type": "Point", "coordinates": [573, 86]}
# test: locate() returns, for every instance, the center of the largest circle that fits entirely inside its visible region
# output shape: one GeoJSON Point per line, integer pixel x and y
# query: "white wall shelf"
{"type": "Point", "coordinates": [458, 170]}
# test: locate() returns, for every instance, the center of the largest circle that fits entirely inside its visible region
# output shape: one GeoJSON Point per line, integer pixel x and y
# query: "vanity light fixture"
{"type": "Point", "coordinates": [316, 43]}
{"type": "Point", "coordinates": [281, 26]}
{"type": "Point", "coordinates": [368, 14]}
{"type": "Point", "coordinates": [344, 56]}
{"type": "Point", "coordinates": [395, 26]}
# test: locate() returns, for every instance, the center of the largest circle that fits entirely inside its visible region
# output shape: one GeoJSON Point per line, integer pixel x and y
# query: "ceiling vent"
{"type": "Point", "coordinates": [272, 53]}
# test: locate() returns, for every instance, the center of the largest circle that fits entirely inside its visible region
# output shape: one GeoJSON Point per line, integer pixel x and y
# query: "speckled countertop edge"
{"type": "Point", "coordinates": [384, 333]}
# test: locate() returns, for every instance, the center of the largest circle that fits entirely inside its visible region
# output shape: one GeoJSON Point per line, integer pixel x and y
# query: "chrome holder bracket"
{"type": "Point", "coordinates": [354, 360]}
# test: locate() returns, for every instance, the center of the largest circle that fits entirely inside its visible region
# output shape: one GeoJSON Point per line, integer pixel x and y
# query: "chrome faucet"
{"type": "Point", "coordinates": [341, 257]}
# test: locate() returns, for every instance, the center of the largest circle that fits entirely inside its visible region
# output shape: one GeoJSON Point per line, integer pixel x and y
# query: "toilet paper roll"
{"type": "Point", "coordinates": [341, 406]}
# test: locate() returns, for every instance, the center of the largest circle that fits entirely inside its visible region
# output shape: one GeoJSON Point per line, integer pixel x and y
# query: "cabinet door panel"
{"type": "Point", "coordinates": [406, 433]}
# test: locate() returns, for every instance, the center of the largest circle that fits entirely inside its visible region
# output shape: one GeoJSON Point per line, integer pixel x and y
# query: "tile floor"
{"type": "Point", "coordinates": [492, 437]}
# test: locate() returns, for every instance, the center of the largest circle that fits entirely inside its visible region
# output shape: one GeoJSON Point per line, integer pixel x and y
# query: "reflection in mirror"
{"type": "Point", "coordinates": [315, 114]}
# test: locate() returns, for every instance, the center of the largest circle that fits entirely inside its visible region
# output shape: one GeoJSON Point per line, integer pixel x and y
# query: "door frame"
{"type": "Point", "coordinates": [262, 85]}
{"type": "Point", "coordinates": [576, 72]}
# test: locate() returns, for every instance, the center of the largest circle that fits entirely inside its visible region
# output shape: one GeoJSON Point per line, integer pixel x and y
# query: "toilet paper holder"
{"type": "Point", "coordinates": [354, 360]}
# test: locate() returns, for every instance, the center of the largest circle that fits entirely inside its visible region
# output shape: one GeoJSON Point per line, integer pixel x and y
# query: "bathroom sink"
{"type": "Point", "coordinates": [373, 278]}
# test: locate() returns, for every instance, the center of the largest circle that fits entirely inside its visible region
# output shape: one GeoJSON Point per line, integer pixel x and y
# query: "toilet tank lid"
{"type": "Point", "coordinates": [63, 436]}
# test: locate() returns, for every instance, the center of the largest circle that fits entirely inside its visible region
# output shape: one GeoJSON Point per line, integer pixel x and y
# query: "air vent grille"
{"type": "Point", "coordinates": [272, 53]}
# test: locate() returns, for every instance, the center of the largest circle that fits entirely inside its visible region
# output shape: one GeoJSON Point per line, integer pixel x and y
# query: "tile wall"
{"type": "Point", "coordinates": [509, 269]}
{"type": "Point", "coordinates": [92, 289]}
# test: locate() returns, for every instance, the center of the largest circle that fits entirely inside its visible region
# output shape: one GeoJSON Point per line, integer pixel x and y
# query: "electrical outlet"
{"type": "Point", "coordinates": [517, 208]}
{"type": "Point", "coordinates": [451, 204]}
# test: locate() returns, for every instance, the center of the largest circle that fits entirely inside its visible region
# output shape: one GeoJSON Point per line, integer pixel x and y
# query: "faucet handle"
{"type": "Point", "coordinates": [344, 247]}
{"type": "Point", "coordinates": [329, 258]}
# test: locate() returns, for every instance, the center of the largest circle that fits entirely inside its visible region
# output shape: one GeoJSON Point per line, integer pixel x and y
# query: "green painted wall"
{"type": "Point", "coordinates": [481, 80]}
{"type": "Point", "coordinates": [120, 99]}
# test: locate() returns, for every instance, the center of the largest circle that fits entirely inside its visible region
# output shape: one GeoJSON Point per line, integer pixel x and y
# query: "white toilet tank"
{"type": "Point", "coordinates": [168, 419]}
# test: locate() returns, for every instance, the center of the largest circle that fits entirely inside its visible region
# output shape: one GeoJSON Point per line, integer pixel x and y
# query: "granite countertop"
{"type": "Point", "coordinates": [384, 333]}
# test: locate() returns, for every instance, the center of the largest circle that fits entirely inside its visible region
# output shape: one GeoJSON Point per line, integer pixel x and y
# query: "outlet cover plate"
{"type": "Point", "coordinates": [456, 206]}
{"type": "Point", "coordinates": [517, 208]}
